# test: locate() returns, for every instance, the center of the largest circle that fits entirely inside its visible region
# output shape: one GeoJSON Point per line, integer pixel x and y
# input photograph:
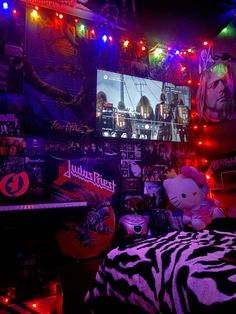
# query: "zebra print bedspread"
{"type": "Point", "coordinates": [179, 273]}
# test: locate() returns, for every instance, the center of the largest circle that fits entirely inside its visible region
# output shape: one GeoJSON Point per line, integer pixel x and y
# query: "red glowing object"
{"type": "Point", "coordinates": [189, 81]}
{"type": "Point", "coordinates": [205, 43]}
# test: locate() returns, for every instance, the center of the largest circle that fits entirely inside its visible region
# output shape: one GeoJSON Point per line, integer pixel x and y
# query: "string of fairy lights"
{"type": "Point", "coordinates": [7, 8]}
{"type": "Point", "coordinates": [157, 54]}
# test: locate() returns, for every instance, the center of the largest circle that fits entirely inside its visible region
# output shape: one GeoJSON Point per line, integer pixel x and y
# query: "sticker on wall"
{"type": "Point", "coordinates": [14, 185]}
{"type": "Point", "coordinates": [14, 181]}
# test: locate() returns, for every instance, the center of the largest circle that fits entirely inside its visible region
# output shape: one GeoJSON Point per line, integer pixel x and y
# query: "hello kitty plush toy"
{"type": "Point", "coordinates": [188, 192]}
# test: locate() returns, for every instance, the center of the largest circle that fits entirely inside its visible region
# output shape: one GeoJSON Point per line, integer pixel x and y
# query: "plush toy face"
{"type": "Point", "coordinates": [184, 193]}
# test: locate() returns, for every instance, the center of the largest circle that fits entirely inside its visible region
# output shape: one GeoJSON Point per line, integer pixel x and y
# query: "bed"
{"type": "Point", "coordinates": [181, 272]}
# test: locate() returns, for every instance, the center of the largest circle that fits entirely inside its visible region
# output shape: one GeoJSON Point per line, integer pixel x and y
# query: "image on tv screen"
{"type": "Point", "coordinates": [139, 108]}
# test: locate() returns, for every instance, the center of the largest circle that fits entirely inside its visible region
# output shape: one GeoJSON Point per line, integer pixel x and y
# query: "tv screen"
{"type": "Point", "coordinates": [139, 108]}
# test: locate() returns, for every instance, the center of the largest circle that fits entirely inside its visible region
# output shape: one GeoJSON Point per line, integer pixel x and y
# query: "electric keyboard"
{"type": "Point", "coordinates": [41, 206]}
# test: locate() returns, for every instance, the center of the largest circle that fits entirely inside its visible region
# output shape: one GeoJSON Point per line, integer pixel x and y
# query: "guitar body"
{"type": "Point", "coordinates": [88, 239]}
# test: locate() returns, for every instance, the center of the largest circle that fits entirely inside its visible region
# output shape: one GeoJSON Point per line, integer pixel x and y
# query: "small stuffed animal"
{"type": "Point", "coordinates": [188, 192]}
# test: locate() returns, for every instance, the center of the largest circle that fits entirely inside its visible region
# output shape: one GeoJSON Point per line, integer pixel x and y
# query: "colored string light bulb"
{"type": "Point", "coordinates": [104, 38]}
{"type": "Point", "coordinates": [126, 43]}
{"type": "Point", "coordinates": [5, 5]}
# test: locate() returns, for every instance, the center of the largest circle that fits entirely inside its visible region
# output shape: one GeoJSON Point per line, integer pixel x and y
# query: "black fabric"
{"type": "Point", "coordinates": [223, 224]}
{"type": "Point", "coordinates": [181, 272]}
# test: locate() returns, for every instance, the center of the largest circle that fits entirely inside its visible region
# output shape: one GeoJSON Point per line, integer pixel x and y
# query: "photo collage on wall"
{"type": "Point", "coordinates": [158, 159]}
{"type": "Point", "coordinates": [131, 172]}
{"type": "Point", "coordinates": [131, 168]}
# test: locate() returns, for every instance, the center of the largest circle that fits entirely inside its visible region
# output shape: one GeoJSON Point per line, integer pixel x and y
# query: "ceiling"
{"type": "Point", "coordinates": [185, 22]}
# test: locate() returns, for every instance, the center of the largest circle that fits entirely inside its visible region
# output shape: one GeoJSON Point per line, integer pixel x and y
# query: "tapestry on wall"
{"type": "Point", "coordinates": [59, 76]}
{"type": "Point", "coordinates": [215, 95]}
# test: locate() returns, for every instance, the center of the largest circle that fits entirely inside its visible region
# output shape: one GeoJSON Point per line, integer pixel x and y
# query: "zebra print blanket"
{"type": "Point", "coordinates": [181, 272]}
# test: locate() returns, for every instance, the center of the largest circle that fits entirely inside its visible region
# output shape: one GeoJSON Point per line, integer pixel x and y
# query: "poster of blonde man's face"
{"type": "Point", "coordinates": [215, 96]}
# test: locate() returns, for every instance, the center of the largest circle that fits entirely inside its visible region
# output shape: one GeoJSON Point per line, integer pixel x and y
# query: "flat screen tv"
{"type": "Point", "coordinates": [140, 108]}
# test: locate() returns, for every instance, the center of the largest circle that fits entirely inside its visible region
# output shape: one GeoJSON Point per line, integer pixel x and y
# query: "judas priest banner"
{"type": "Point", "coordinates": [84, 179]}
{"type": "Point", "coordinates": [94, 181]}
